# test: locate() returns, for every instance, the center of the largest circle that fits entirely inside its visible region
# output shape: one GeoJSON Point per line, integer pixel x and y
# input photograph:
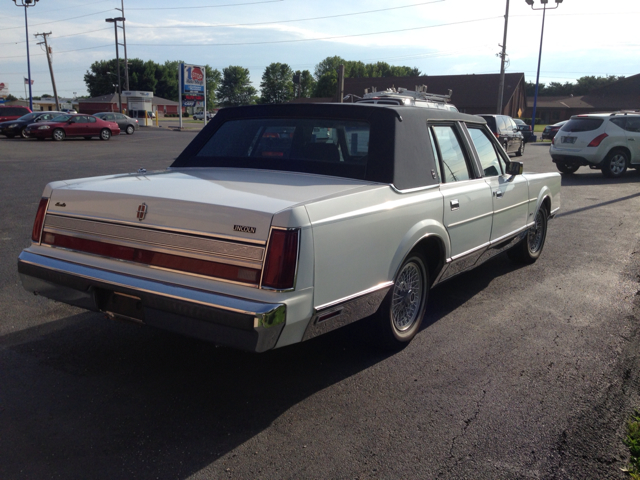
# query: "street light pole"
{"type": "Point", "coordinates": [25, 4]}
{"type": "Point", "coordinates": [115, 28]}
{"type": "Point", "coordinates": [535, 97]}
{"type": "Point", "coordinates": [124, 40]}
{"type": "Point", "coordinates": [503, 56]}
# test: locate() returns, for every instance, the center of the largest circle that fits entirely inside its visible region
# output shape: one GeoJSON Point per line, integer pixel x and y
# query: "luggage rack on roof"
{"type": "Point", "coordinates": [401, 96]}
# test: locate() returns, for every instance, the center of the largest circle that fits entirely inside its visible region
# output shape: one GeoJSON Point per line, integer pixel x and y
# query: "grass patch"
{"type": "Point", "coordinates": [632, 441]}
{"type": "Point", "coordinates": [539, 128]}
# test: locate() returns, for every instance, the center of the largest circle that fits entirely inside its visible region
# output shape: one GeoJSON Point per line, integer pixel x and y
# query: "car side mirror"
{"type": "Point", "coordinates": [515, 168]}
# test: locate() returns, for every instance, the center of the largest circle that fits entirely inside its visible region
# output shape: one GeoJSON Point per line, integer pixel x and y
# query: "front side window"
{"type": "Point", "coordinates": [454, 163]}
{"type": "Point", "coordinates": [492, 163]}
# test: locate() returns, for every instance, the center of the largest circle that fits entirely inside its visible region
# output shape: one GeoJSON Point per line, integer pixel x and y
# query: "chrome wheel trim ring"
{"type": "Point", "coordinates": [535, 234]}
{"type": "Point", "coordinates": [130, 130]}
{"type": "Point", "coordinates": [407, 297]}
{"type": "Point", "coordinates": [617, 164]}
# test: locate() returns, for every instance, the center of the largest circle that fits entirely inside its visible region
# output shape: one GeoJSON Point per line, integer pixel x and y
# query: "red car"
{"type": "Point", "coordinates": [11, 113]}
{"type": "Point", "coordinates": [78, 125]}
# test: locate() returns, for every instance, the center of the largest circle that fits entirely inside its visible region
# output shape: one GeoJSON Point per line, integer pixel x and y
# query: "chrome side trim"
{"type": "Point", "coordinates": [161, 228]}
{"type": "Point", "coordinates": [340, 314]}
{"type": "Point", "coordinates": [470, 219]}
{"type": "Point", "coordinates": [511, 234]}
{"type": "Point", "coordinates": [412, 190]}
{"type": "Point", "coordinates": [355, 295]}
{"type": "Point", "coordinates": [468, 252]}
{"type": "Point", "coordinates": [526, 202]}
{"type": "Point", "coordinates": [152, 239]}
{"type": "Point", "coordinates": [554, 212]}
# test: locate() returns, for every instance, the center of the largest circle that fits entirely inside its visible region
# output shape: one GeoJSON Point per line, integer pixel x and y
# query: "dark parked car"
{"type": "Point", "coordinates": [64, 125]}
{"type": "Point", "coordinates": [524, 129]}
{"type": "Point", "coordinates": [11, 113]}
{"type": "Point", "coordinates": [17, 127]}
{"type": "Point", "coordinates": [507, 133]}
{"type": "Point", "coordinates": [126, 124]}
{"type": "Point", "coordinates": [550, 130]}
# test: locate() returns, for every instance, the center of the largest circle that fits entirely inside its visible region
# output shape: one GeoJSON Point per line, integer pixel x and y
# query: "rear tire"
{"type": "Point", "coordinates": [23, 133]}
{"type": "Point", "coordinates": [399, 317]}
{"type": "Point", "coordinates": [58, 135]}
{"type": "Point", "coordinates": [105, 134]}
{"type": "Point", "coordinates": [568, 168]}
{"type": "Point", "coordinates": [615, 164]}
{"type": "Point", "coordinates": [530, 248]}
{"type": "Point", "coordinates": [521, 149]}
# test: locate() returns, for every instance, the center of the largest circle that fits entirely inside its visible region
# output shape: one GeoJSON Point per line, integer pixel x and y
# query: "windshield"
{"type": "Point", "coordinates": [61, 118]}
{"type": "Point", "coordinates": [29, 116]}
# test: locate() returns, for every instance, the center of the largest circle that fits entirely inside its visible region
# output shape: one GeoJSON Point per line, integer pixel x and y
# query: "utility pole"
{"type": "Point", "coordinates": [340, 83]}
{"type": "Point", "coordinates": [503, 56]}
{"type": "Point", "coordinates": [124, 44]}
{"type": "Point", "coordinates": [48, 52]}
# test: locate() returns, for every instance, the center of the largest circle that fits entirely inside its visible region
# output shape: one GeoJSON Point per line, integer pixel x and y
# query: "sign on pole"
{"type": "Point", "coordinates": [4, 90]}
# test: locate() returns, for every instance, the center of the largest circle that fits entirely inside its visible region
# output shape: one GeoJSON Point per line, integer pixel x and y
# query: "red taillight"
{"type": "Point", "coordinates": [598, 140]}
{"type": "Point", "coordinates": [497, 135]}
{"type": "Point", "coordinates": [282, 257]}
{"type": "Point", "coordinates": [553, 141]}
{"type": "Point", "coordinates": [37, 224]}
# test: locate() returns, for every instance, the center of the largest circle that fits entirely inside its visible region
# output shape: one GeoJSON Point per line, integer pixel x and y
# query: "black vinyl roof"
{"type": "Point", "coordinates": [400, 152]}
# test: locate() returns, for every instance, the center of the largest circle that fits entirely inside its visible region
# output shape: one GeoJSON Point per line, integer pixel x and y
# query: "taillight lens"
{"type": "Point", "coordinates": [497, 135]}
{"type": "Point", "coordinates": [39, 221]}
{"type": "Point", "coordinates": [553, 141]}
{"type": "Point", "coordinates": [282, 257]}
{"type": "Point", "coordinates": [598, 140]}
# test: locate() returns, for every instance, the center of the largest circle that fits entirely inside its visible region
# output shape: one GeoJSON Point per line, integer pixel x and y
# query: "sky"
{"type": "Point", "coordinates": [439, 37]}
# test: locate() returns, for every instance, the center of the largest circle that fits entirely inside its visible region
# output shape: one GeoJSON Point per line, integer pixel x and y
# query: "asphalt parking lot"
{"type": "Point", "coordinates": [518, 372]}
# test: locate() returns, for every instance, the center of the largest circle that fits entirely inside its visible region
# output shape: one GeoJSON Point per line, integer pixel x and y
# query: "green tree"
{"type": "Point", "coordinates": [582, 86]}
{"type": "Point", "coordinates": [326, 85]}
{"type": "Point", "coordinates": [329, 64]}
{"type": "Point", "coordinates": [213, 82]}
{"type": "Point", "coordinates": [277, 84]}
{"type": "Point", "coordinates": [11, 98]}
{"type": "Point", "coordinates": [102, 77]}
{"type": "Point", "coordinates": [235, 87]}
{"type": "Point", "coordinates": [307, 84]}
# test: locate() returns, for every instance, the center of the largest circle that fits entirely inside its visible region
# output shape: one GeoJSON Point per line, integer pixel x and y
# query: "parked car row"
{"type": "Point", "coordinates": [59, 125]}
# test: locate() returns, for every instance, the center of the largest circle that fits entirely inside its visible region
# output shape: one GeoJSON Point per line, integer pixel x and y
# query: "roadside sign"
{"type": "Point", "coordinates": [192, 79]}
{"type": "Point", "coordinates": [4, 90]}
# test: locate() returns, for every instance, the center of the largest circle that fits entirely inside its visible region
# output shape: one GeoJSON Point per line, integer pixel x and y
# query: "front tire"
{"type": "Point", "coordinates": [58, 135]}
{"type": "Point", "coordinates": [530, 248]}
{"type": "Point", "coordinates": [568, 168]}
{"type": "Point", "coordinates": [399, 317]}
{"type": "Point", "coordinates": [105, 134]}
{"type": "Point", "coordinates": [130, 130]}
{"type": "Point", "coordinates": [23, 133]}
{"type": "Point", "coordinates": [615, 164]}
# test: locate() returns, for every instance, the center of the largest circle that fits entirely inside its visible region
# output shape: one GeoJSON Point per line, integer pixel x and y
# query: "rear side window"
{"type": "Point", "coordinates": [630, 124]}
{"type": "Point", "coordinates": [491, 123]}
{"type": "Point", "coordinates": [582, 125]}
{"type": "Point", "coordinates": [492, 164]}
{"type": "Point", "coordinates": [454, 164]}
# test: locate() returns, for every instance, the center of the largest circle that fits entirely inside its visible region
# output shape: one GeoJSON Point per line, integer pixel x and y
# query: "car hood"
{"type": "Point", "coordinates": [201, 200]}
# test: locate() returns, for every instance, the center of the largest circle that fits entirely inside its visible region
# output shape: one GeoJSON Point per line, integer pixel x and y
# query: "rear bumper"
{"type": "Point", "coordinates": [221, 319]}
{"type": "Point", "coordinates": [575, 160]}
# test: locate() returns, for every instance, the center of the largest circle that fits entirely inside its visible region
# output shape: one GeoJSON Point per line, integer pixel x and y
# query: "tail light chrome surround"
{"type": "Point", "coordinates": [38, 223]}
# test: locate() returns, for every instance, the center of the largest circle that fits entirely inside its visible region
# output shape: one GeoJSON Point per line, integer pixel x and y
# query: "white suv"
{"type": "Point", "coordinates": [608, 141]}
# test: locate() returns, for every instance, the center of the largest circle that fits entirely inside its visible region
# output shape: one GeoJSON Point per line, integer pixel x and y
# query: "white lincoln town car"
{"type": "Point", "coordinates": [279, 223]}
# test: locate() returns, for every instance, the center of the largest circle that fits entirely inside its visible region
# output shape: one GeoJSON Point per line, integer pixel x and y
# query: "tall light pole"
{"type": "Point", "coordinates": [535, 98]}
{"type": "Point", "coordinates": [503, 56]}
{"type": "Point", "coordinates": [124, 39]}
{"type": "Point", "coordinates": [115, 29]}
{"type": "Point", "coordinates": [25, 4]}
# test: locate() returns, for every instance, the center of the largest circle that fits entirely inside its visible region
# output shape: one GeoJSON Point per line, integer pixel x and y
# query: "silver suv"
{"type": "Point", "coordinates": [606, 141]}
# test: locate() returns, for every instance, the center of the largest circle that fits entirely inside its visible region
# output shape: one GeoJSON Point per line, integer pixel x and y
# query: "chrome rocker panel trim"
{"type": "Point", "coordinates": [348, 310]}
{"type": "Point", "coordinates": [221, 319]}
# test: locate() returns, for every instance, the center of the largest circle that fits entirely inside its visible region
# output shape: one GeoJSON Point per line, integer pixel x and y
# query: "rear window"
{"type": "Point", "coordinates": [13, 111]}
{"type": "Point", "coordinates": [582, 125]}
{"type": "Point", "coordinates": [295, 140]}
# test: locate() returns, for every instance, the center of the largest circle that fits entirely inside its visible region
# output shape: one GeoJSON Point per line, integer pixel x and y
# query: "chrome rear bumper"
{"type": "Point", "coordinates": [221, 319]}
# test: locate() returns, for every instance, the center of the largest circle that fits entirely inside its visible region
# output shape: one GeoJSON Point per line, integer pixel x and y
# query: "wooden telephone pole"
{"type": "Point", "coordinates": [48, 52]}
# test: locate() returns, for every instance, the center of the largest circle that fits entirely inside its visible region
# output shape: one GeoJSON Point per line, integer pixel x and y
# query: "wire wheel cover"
{"type": "Point", "coordinates": [536, 233]}
{"type": "Point", "coordinates": [407, 297]}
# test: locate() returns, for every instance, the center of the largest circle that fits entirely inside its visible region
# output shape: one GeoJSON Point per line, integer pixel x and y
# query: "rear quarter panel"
{"type": "Point", "coordinates": [361, 239]}
{"type": "Point", "coordinates": [541, 186]}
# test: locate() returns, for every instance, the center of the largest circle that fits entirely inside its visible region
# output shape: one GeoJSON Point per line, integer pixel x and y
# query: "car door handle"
{"type": "Point", "coordinates": [455, 204]}
{"type": "Point", "coordinates": [498, 194]}
{"type": "Point", "coordinates": [632, 140]}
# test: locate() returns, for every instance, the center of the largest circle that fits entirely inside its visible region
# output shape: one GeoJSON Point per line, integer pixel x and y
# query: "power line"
{"type": "Point", "coordinates": [310, 39]}
{"type": "Point", "coordinates": [58, 21]}
{"type": "Point", "coordinates": [62, 51]}
{"type": "Point", "coordinates": [206, 6]}
{"type": "Point", "coordinates": [62, 36]}
{"type": "Point", "coordinates": [190, 27]}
